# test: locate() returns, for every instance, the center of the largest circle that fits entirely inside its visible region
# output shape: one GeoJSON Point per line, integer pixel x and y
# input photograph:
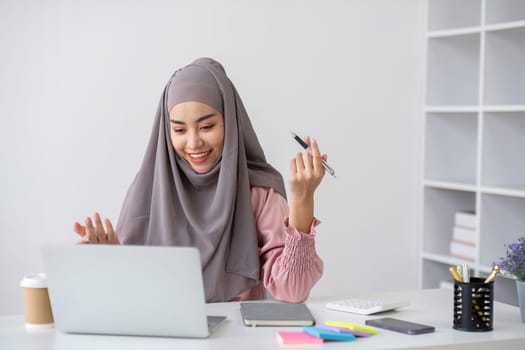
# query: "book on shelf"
{"type": "Point", "coordinates": [462, 250]}
{"type": "Point", "coordinates": [465, 235]}
{"type": "Point", "coordinates": [466, 219]}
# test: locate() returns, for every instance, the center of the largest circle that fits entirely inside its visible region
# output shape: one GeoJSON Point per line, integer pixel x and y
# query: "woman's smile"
{"type": "Point", "coordinates": [199, 158]}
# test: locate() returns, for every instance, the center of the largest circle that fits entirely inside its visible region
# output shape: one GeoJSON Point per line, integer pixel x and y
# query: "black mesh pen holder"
{"type": "Point", "coordinates": [473, 305]}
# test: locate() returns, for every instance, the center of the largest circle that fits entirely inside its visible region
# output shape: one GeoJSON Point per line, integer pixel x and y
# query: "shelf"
{"type": "Point", "coordinates": [474, 136]}
{"type": "Point", "coordinates": [505, 26]}
{"type": "Point", "coordinates": [475, 109]}
{"type": "Point", "coordinates": [434, 273]}
{"type": "Point", "coordinates": [504, 72]}
{"type": "Point", "coordinates": [503, 150]}
{"type": "Point", "coordinates": [458, 186]}
{"type": "Point", "coordinates": [448, 14]}
{"type": "Point", "coordinates": [519, 191]}
{"type": "Point", "coordinates": [452, 261]}
{"type": "Point", "coordinates": [453, 32]}
{"type": "Point", "coordinates": [453, 70]}
{"type": "Point", "coordinates": [498, 11]}
{"type": "Point", "coordinates": [451, 109]}
{"type": "Point", "coordinates": [445, 259]}
{"type": "Point", "coordinates": [451, 147]}
{"type": "Point", "coordinates": [503, 108]}
{"type": "Point", "coordinates": [502, 221]}
{"type": "Point", "coordinates": [440, 206]}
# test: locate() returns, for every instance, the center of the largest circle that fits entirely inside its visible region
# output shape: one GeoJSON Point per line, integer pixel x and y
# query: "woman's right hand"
{"type": "Point", "coordinates": [96, 234]}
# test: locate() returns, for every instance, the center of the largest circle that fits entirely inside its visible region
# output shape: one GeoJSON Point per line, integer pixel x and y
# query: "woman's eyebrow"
{"type": "Point", "coordinates": [200, 119]}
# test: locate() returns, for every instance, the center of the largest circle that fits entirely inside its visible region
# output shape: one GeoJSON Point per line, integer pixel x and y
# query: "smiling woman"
{"type": "Point", "coordinates": [197, 134]}
{"type": "Point", "coordinates": [205, 182]}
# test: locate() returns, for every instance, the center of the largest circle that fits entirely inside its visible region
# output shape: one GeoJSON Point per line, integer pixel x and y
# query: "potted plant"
{"type": "Point", "coordinates": [514, 264]}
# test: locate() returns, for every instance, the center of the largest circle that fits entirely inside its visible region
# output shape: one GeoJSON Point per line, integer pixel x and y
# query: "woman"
{"type": "Point", "coordinates": [205, 182]}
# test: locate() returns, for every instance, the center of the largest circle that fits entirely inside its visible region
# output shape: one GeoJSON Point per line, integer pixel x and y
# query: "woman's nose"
{"type": "Point", "coordinates": [194, 140]}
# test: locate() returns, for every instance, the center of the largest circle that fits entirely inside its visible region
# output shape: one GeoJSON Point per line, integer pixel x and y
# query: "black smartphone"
{"type": "Point", "coordinates": [401, 326]}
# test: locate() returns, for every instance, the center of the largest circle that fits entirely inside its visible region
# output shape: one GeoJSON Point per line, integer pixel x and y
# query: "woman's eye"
{"type": "Point", "coordinates": [178, 130]}
{"type": "Point", "coordinates": [207, 127]}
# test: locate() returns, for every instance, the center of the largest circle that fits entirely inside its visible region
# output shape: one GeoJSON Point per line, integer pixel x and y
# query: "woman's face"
{"type": "Point", "coordinates": [197, 134]}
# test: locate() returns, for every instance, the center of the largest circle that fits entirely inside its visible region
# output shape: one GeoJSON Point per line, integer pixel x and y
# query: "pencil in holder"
{"type": "Point", "coordinates": [474, 305]}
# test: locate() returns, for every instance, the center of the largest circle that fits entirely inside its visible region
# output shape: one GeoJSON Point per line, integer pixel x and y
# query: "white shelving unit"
{"type": "Point", "coordinates": [474, 125]}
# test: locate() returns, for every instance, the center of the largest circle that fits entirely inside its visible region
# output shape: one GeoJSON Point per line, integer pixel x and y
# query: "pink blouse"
{"type": "Point", "coordinates": [290, 266]}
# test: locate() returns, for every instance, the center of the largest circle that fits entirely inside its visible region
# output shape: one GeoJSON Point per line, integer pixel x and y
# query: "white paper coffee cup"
{"type": "Point", "coordinates": [37, 308]}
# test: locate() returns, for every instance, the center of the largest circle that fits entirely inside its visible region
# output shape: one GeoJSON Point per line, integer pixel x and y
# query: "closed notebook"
{"type": "Point", "coordinates": [276, 314]}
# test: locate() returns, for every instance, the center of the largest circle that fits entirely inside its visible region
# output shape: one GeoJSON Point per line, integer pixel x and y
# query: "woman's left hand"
{"type": "Point", "coordinates": [306, 173]}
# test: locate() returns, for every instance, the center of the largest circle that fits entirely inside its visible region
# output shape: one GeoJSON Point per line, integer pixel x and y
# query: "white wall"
{"type": "Point", "coordinates": [80, 81]}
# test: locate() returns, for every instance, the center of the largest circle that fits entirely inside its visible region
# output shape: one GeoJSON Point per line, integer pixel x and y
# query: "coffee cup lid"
{"type": "Point", "coordinates": [34, 280]}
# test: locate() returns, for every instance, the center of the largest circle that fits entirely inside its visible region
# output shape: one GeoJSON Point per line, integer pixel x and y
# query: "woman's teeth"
{"type": "Point", "coordinates": [199, 155]}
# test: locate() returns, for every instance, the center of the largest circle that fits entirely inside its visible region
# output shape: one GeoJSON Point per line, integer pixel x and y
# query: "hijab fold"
{"type": "Point", "coordinates": [168, 203]}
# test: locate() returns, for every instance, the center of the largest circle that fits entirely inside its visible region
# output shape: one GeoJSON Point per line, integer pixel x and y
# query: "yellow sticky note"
{"type": "Point", "coordinates": [353, 326]}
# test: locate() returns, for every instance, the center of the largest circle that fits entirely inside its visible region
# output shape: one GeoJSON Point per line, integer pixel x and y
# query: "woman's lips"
{"type": "Point", "coordinates": [200, 157]}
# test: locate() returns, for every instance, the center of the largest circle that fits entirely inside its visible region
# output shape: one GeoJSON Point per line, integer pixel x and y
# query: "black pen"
{"type": "Point", "coordinates": [306, 147]}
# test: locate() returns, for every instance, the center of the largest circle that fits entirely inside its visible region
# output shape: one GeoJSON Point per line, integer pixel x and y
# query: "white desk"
{"type": "Point", "coordinates": [433, 307]}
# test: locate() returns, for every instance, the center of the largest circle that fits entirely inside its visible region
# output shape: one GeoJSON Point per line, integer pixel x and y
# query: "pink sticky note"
{"type": "Point", "coordinates": [295, 338]}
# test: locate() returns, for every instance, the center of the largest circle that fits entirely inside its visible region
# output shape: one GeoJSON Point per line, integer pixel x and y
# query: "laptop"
{"type": "Point", "coordinates": [127, 290]}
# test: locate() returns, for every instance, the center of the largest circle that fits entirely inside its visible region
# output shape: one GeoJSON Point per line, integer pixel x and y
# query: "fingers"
{"type": "Point", "coordinates": [311, 159]}
{"type": "Point", "coordinates": [316, 156]}
{"type": "Point", "coordinates": [90, 236]}
{"type": "Point", "coordinates": [99, 229]}
{"type": "Point", "coordinates": [297, 166]}
{"type": "Point", "coordinates": [112, 236]}
{"type": "Point", "coordinates": [79, 229]}
{"type": "Point", "coordinates": [93, 231]}
{"type": "Point", "coordinates": [306, 170]}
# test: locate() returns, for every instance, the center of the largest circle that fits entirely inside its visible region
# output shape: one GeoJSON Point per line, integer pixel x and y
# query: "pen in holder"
{"type": "Point", "coordinates": [473, 305]}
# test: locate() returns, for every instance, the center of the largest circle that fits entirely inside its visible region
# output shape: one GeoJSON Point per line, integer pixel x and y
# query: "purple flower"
{"type": "Point", "coordinates": [514, 262]}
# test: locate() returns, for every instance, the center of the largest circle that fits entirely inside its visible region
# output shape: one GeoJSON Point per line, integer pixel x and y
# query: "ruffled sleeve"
{"type": "Point", "coordinates": [290, 266]}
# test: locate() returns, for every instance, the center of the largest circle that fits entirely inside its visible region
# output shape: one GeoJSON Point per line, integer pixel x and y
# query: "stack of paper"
{"type": "Point", "coordinates": [464, 236]}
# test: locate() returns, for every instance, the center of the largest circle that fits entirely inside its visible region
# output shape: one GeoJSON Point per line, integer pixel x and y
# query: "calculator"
{"type": "Point", "coordinates": [365, 306]}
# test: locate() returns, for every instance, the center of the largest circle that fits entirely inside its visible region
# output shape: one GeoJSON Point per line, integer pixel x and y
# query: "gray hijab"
{"type": "Point", "coordinates": [170, 204]}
